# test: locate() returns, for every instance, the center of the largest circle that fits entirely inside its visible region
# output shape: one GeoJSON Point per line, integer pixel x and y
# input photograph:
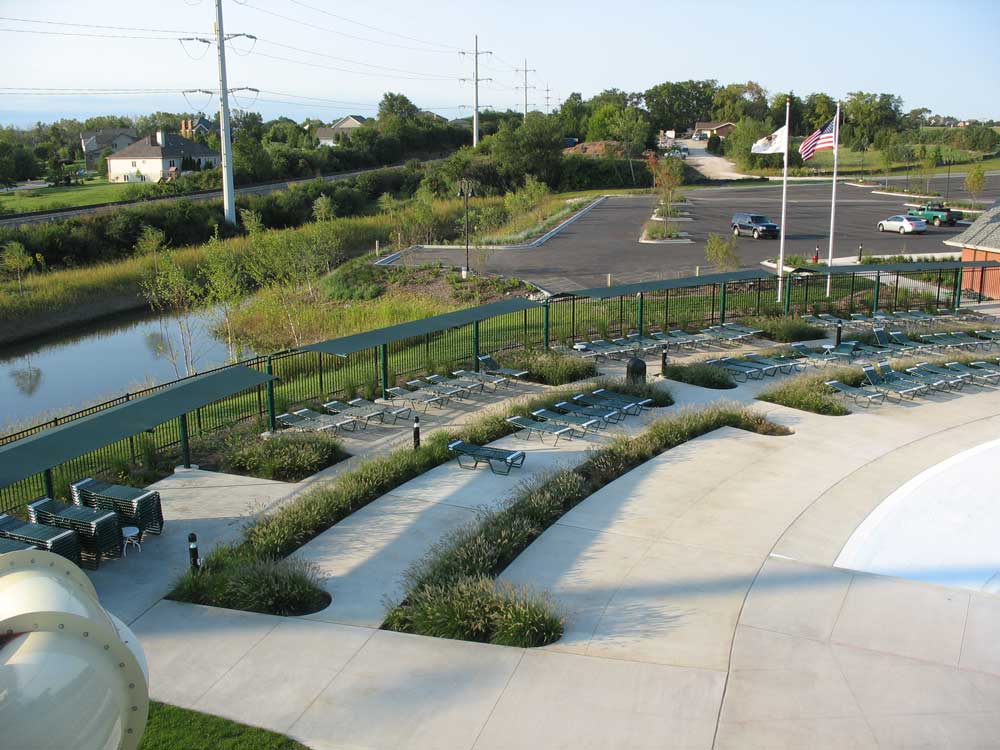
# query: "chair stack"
{"type": "Point", "coordinates": [10, 545]}
{"type": "Point", "coordinates": [98, 530]}
{"type": "Point", "coordinates": [63, 542]}
{"type": "Point", "coordinates": [135, 507]}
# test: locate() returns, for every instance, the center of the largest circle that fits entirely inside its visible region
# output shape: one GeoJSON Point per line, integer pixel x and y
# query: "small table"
{"type": "Point", "coordinates": [130, 536]}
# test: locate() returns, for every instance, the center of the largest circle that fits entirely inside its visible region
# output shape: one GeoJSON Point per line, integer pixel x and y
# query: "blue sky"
{"type": "Point", "coordinates": [952, 67]}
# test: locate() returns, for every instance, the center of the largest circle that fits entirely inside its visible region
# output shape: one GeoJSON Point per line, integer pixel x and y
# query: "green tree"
{"type": "Point", "coordinates": [323, 208]}
{"type": "Point", "coordinates": [17, 261]}
{"type": "Point", "coordinates": [102, 163]}
{"type": "Point", "coordinates": [678, 105]}
{"type": "Point", "coordinates": [885, 158]}
{"type": "Point", "coordinates": [738, 100]}
{"type": "Point", "coordinates": [720, 252]}
{"type": "Point", "coordinates": [572, 116]}
{"type": "Point", "coordinates": [225, 285]}
{"type": "Point", "coordinates": [817, 110]}
{"type": "Point", "coordinates": [631, 128]}
{"type": "Point", "coordinates": [975, 181]}
{"type": "Point", "coordinates": [396, 106]}
{"type": "Point", "coordinates": [534, 148]}
{"type": "Point", "coordinates": [151, 241]}
{"type": "Point", "coordinates": [176, 294]}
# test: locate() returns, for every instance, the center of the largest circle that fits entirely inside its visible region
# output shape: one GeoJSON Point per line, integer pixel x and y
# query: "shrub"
{"type": "Point", "coordinates": [808, 392]}
{"type": "Point", "coordinates": [289, 457]}
{"type": "Point", "coordinates": [784, 329]}
{"type": "Point", "coordinates": [548, 367]}
{"type": "Point", "coordinates": [700, 374]}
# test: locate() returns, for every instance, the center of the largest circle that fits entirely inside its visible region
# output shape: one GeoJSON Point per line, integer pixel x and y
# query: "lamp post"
{"type": "Point", "coordinates": [465, 189]}
{"type": "Point", "coordinates": [947, 184]}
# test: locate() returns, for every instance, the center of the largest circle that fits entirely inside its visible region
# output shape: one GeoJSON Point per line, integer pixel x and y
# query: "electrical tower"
{"type": "Point", "coordinates": [226, 143]}
{"type": "Point", "coordinates": [526, 70]}
{"type": "Point", "coordinates": [475, 84]}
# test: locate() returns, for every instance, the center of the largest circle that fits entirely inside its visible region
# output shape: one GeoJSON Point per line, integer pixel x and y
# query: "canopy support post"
{"type": "Point", "coordinates": [182, 423]}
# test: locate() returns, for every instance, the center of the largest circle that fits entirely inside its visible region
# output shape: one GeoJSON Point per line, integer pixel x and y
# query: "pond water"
{"type": "Point", "coordinates": [55, 375]}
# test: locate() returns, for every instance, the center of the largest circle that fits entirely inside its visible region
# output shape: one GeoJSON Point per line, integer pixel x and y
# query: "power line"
{"type": "Point", "coordinates": [32, 91]}
{"type": "Point", "coordinates": [346, 70]}
{"type": "Point", "coordinates": [87, 34]}
{"type": "Point", "coordinates": [96, 26]}
{"type": "Point", "coordinates": [354, 62]}
{"type": "Point", "coordinates": [335, 31]}
{"type": "Point", "coordinates": [448, 47]}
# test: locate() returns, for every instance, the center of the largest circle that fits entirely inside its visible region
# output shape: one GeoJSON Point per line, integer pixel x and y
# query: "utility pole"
{"type": "Point", "coordinates": [547, 97]}
{"type": "Point", "coordinates": [225, 136]}
{"type": "Point", "coordinates": [475, 84]}
{"type": "Point", "coordinates": [526, 70]}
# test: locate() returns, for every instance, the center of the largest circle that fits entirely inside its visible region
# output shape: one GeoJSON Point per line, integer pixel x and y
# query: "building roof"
{"type": "Point", "coordinates": [105, 136]}
{"type": "Point", "coordinates": [982, 234]}
{"type": "Point", "coordinates": [176, 147]}
{"type": "Point", "coordinates": [711, 125]}
{"type": "Point", "coordinates": [345, 121]}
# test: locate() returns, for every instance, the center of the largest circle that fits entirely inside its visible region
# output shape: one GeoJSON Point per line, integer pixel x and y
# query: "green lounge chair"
{"type": "Point", "coordinates": [989, 335]}
{"type": "Point", "coordinates": [833, 321]}
{"type": "Point", "coordinates": [883, 340]}
{"type": "Point", "coordinates": [363, 415]}
{"type": "Point", "coordinates": [569, 420]}
{"type": "Point", "coordinates": [896, 388]}
{"type": "Point", "coordinates": [494, 381]}
{"type": "Point", "coordinates": [677, 342]}
{"type": "Point", "coordinates": [499, 460]}
{"type": "Point", "coordinates": [448, 391]}
{"type": "Point", "coordinates": [621, 399]}
{"type": "Point", "coordinates": [871, 352]}
{"type": "Point", "coordinates": [975, 375]}
{"type": "Point", "coordinates": [341, 422]}
{"type": "Point", "coordinates": [723, 338]}
{"type": "Point", "coordinates": [98, 530]}
{"type": "Point", "coordinates": [740, 373]}
{"type": "Point", "coordinates": [137, 507]}
{"type": "Point", "coordinates": [647, 344]}
{"type": "Point", "coordinates": [935, 378]}
{"type": "Point", "coordinates": [388, 410]}
{"type": "Point", "coordinates": [493, 368]}
{"type": "Point", "coordinates": [589, 399]}
{"type": "Point", "coordinates": [769, 369]}
{"type": "Point", "coordinates": [943, 341]}
{"type": "Point", "coordinates": [973, 342]}
{"type": "Point", "coordinates": [984, 367]}
{"type": "Point", "coordinates": [845, 350]}
{"type": "Point", "coordinates": [785, 366]}
{"type": "Point", "coordinates": [742, 328]}
{"type": "Point", "coordinates": [861, 396]}
{"type": "Point", "coordinates": [63, 542]}
{"type": "Point", "coordinates": [605, 413]}
{"type": "Point", "coordinates": [810, 355]}
{"type": "Point", "coordinates": [898, 337]}
{"type": "Point", "coordinates": [296, 421]}
{"type": "Point", "coordinates": [416, 399]}
{"type": "Point", "coordinates": [931, 382]}
{"type": "Point", "coordinates": [468, 385]}
{"type": "Point", "coordinates": [532, 426]}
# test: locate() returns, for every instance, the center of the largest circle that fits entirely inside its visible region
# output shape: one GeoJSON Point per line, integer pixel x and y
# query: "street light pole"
{"type": "Point", "coordinates": [465, 190]}
{"type": "Point", "coordinates": [947, 184]}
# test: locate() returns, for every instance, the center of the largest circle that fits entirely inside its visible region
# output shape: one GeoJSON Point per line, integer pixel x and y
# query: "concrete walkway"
{"type": "Point", "coordinates": [702, 610]}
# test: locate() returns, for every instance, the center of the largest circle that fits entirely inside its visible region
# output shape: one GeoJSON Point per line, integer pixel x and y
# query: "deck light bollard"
{"type": "Point", "coordinates": [416, 432]}
{"type": "Point", "coordinates": [663, 360]}
{"type": "Point", "coordinates": [861, 250]}
{"type": "Point", "coordinates": [840, 332]}
{"type": "Point", "coordinates": [193, 552]}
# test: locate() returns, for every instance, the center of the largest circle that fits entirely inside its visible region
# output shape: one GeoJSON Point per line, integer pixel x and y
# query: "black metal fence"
{"type": "Point", "coordinates": [309, 376]}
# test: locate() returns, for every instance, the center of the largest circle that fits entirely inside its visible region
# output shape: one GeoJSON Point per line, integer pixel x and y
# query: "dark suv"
{"type": "Point", "coordinates": [756, 225]}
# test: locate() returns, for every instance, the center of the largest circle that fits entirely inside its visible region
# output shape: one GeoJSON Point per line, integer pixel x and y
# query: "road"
{"type": "Point", "coordinates": [215, 195]}
{"type": "Point", "coordinates": [606, 239]}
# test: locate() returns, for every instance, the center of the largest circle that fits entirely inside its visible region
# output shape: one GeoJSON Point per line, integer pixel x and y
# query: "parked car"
{"type": "Point", "coordinates": [903, 225]}
{"type": "Point", "coordinates": [937, 214]}
{"type": "Point", "coordinates": [699, 137]}
{"type": "Point", "coordinates": [756, 225]}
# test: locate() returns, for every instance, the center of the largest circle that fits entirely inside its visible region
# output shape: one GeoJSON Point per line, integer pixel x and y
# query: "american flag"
{"type": "Point", "coordinates": [823, 138]}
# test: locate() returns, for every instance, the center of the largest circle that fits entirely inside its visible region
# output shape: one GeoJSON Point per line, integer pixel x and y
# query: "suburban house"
{"type": "Point", "coordinates": [190, 128]}
{"type": "Point", "coordinates": [433, 116]}
{"type": "Point", "coordinates": [981, 241]}
{"type": "Point", "coordinates": [160, 156]}
{"type": "Point", "coordinates": [332, 135]}
{"type": "Point", "coordinates": [721, 129]}
{"type": "Point", "coordinates": [94, 142]}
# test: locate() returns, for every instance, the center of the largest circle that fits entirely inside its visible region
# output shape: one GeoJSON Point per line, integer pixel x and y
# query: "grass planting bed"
{"type": "Point", "coordinates": [173, 728]}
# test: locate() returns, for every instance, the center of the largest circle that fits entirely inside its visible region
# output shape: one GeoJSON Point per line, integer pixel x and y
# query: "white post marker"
{"type": "Point", "coordinates": [784, 204]}
{"type": "Point", "coordinates": [833, 201]}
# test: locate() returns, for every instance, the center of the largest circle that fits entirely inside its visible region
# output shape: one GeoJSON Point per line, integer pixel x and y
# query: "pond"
{"type": "Point", "coordinates": [59, 374]}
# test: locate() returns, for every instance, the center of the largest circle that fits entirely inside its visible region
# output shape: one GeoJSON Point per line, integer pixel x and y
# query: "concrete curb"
{"type": "Point", "coordinates": [906, 195]}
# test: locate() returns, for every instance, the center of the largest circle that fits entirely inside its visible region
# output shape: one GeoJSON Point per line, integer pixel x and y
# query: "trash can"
{"type": "Point", "coordinates": [635, 370]}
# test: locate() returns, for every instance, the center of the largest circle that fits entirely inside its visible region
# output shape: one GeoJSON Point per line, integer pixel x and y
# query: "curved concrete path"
{"type": "Point", "coordinates": [702, 610]}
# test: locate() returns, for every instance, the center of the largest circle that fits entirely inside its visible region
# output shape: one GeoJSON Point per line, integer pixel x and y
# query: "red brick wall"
{"type": "Point", "coordinates": [972, 278]}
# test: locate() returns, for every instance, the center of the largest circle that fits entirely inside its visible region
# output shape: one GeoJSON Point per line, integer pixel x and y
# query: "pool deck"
{"type": "Point", "coordinates": [702, 607]}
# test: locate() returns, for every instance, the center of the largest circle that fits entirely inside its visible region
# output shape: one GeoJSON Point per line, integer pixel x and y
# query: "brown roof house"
{"type": "Point", "coordinates": [160, 156]}
{"type": "Point", "coordinates": [721, 129]}
{"type": "Point", "coordinates": [94, 142]}
{"type": "Point", "coordinates": [331, 136]}
{"type": "Point", "coordinates": [981, 241]}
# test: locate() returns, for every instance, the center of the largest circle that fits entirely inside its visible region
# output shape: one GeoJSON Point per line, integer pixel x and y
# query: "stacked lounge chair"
{"type": "Point", "coordinates": [63, 542]}
{"type": "Point", "coordinates": [98, 530]}
{"type": "Point", "coordinates": [12, 545]}
{"type": "Point", "coordinates": [135, 507]}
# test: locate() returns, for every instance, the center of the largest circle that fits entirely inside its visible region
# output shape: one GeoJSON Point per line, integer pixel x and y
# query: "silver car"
{"type": "Point", "coordinates": [903, 225]}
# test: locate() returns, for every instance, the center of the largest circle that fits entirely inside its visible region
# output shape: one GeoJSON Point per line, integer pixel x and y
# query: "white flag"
{"type": "Point", "coordinates": [772, 144]}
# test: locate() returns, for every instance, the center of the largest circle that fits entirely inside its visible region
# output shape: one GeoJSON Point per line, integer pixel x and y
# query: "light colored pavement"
{"type": "Point", "coordinates": [702, 610]}
{"type": "Point", "coordinates": [711, 166]}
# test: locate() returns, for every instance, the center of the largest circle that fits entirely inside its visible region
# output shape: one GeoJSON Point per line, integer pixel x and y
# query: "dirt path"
{"type": "Point", "coordinates": [713, 167]}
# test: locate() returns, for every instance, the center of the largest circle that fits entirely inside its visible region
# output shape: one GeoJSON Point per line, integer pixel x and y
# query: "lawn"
{"type": "Point", "coordinates": [50, 198]}
{"type": "Point", "coordinates": [869, 164]}
{"type": "Point", "coordinates": [172, 728]}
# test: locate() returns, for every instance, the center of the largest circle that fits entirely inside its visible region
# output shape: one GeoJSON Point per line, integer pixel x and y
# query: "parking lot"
{"type": "Point", "coordinates": [606, 239]}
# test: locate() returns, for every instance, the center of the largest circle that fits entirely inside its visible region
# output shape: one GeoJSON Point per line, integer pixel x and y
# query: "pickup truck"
{"type": "Point", "coordinates": [936, 214]}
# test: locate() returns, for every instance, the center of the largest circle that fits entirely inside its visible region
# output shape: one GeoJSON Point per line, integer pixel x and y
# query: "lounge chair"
{"type": "Point", "coordinates": [621, 399]}
{"type": "Point", "coordinates": [845, 350]}
{"type": "Point", "coordinates": [810, 355]}
{"type": "Point", "coordinates": [493, 368]}
{"type": "Point", "coordinates": [63, 542]}
{"type": "Point", "coordinates": [681, 339]}
{"type": "Point", "coordinates": [862, 318]}
{"type": "Point", "coordinates": [361, 414]}
{"type": "Point", "coordinates": [388, 410]}
{"type": "Point", "coordinates": [985, 366]}
{"type": "Point", "coordinates": [833, 321]}
{"type": "Point", "coordinates": [900, 389]}
{"type": "Point", "coordinates": [296, 421]}
{"type": "Point", "coordinates": [606, 414]}
{"type": "Point", "coordinates": [989, 335]}
{"type": "Point", "coordinates": [494, 381]}
{"type": "Point", "coordinates": [530, 426]}
{"type": "Point", "coordinates": [98, 530]}
{"type": "Point", "coordinates": [883, 340]}
{"type": "Point", "coordinates": [814, 320]}
{"type": "Point", "coordinates": [928, 381]}
{"type": "Point", "coordinates": [739, 327]}
{"type": "Point", "coordinates": [468, 385]}
{"type": "Point", "coordinates": [936, 378]}
{"type": "Point", "coordinates": [784, 365]}
{"type": "Point", "coordinates": [448, 391]}
{"type": "Point", "coordinates": [898, 337]}
{"type": "Point", "coordinates": [745, 371]}
{"type": "Point", "coordinates": [416, 399]}
{"type": "Point", "coordinates": [725, 338]}
{"type": "Point", "coordinates": [648, 344]}
{"type": "Point", "coordinates": [903, 316]}
{"type": "Point", "coordinates": [12, 545]}
{"type": "Point", "coordinates": [499, 460]}
{"type": "Point", "coordinates": [135, 507]}
{"type": "Point", "coordinates": [972, 341]}
{"type": "Point", "coordinates": [768, 368]}
{"type": "Point", "coordinates": [947, 341]}
{"type": "Point", "coordinates": [976, 375]}
{"type": "Point", "coordinates": [329, 421]}
{"type": "Point", "coordinates": [590, 399]}
{"type": "Point", "coordinates": [871, 352]}
{"type": "Point", "coordinates": [861, 396]}
{"type": "Point", "coordinates": [569, 420]}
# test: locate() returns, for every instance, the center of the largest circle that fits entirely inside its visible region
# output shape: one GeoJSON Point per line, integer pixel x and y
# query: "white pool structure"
{"type": "Point", "coordinates": [941, 527]}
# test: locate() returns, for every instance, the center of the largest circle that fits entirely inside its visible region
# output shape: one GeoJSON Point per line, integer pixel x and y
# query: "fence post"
{"type": "Point", "coordinates": [641, 314]}
{"type": "Point", "coordinates": [383, 364]}
{"type": "Point", "coordinates": [878, 287]}
{"type": "Point", "coordinates": [572, 330]}
{"type": "Point", "coordinates": [850, 299]}
{"type": "Point", "coordinates": [666, 311]}
{"type": "Point", "coordinates": [49, 485]}
{"type": "Point", "coordinates": [272, 423]}
{"type": "Point", "coordinates": [475, 344]}
{"type": "Point", "coordinates": [322, 391]}
{"type": "Point", "coordinates": [182, 424]}
{"type": "Point", "coordinates": [982, 279]}
{"type": "Point", "coordinates": [788, 294]}
{"type": "Point", "coordinates": [957, 297]}
{"type": "Point", "coordinates": [805, 301]}
{"type": "Point", "coordinates": [545, 325]}
{"type": "Point", "coordinates": [722, 303]}
{"type": "Point", "coordinates": [895, 294]}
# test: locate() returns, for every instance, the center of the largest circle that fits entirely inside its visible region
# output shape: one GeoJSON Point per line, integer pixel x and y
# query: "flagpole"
{"type": "Point", "coordinates": [784, 202]}
{"type": "Point", "coordinates": [833, 201]}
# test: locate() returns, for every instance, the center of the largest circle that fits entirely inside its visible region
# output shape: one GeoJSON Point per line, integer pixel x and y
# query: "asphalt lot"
{"type": "Point", "coordinates": [606, 239]}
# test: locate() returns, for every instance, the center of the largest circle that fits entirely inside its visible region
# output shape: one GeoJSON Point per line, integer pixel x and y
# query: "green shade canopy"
{"type": "Point", "coordinates": [946, 265]}
{"type": "Point", "coordinates": [434, 324]}
{"type": "Point", "coordinates": [51, 447]}
{"type": "Point", "coordinates": [605, 292]}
